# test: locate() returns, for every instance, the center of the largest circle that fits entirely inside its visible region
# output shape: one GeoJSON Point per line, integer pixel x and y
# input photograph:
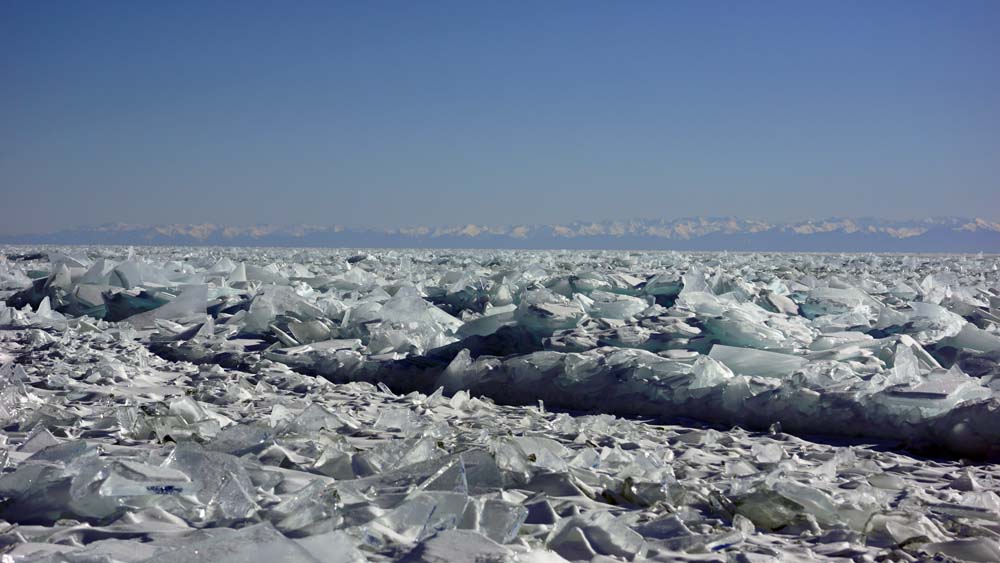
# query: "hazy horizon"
{"type": "Point", "coordinates": [459, 223]}
{"type": "Point", "coordinates": [445, 113]}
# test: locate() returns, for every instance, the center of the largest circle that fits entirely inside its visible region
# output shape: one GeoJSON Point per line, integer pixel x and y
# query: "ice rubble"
{"type": "Point", "coordinates": [160, 397]}
{"type": "Point", "coordinates": [744, 339]}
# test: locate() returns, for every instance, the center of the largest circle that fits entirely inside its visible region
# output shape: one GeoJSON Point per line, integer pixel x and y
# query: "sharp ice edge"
{"type": "Point", "coordinates": [159, 406]}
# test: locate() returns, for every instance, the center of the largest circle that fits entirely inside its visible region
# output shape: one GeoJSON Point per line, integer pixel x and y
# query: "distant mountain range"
{"type": "Point", "coordinates": [940, 234]}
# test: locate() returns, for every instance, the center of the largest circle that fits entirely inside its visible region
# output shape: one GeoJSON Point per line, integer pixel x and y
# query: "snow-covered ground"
{"type": "Point", "coordinates": [187, 404]}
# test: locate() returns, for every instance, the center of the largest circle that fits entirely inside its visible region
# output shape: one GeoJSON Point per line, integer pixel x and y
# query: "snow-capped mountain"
{"type": "Point", "coordinates": [941, 234]}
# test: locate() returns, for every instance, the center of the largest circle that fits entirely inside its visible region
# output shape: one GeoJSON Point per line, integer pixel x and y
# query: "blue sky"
{"type": "Point", "coordinates": [400, 113]}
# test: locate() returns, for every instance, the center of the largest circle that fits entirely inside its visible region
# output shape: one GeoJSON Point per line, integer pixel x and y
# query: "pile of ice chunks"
{"type": "Point", "coordinates": [799, 338]}
{"type": "Point", "coordinates": [167, 399]}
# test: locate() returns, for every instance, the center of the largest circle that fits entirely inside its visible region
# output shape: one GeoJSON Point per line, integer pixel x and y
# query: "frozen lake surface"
{"type": "Point", "coordinates": [237, 404]}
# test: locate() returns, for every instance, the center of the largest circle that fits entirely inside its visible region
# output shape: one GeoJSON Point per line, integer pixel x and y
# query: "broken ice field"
{"type": "Point", "coordinates": [261, 405]}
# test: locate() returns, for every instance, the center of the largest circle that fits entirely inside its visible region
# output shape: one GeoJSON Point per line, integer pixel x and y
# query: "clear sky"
{"type": "Point", "coordinates": [388, 113]}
